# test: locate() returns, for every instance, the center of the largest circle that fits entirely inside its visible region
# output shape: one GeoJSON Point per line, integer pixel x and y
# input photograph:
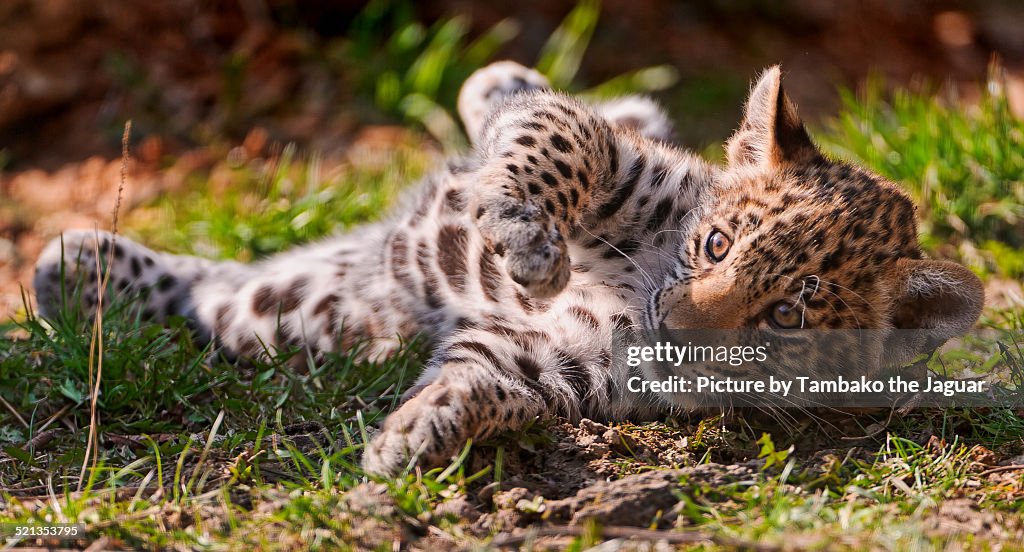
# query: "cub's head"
{"type": "Point", "coordinates": [796, 240]}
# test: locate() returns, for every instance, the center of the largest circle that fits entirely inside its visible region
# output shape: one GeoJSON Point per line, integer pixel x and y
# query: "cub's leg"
{"type": "Point", "coordinates": [486, 89]}
{"type": "Point", "coordinates": [158, 283]}
{"type": "Point", "coordinates": [467, 400]}
{"type": "Point", "coordinates": [322, 297]}
{"type": "Point", "coordinates": [479, 384]}
{"type": "Point", "coordinates": [546, 161]}
{"type": "Point", "coordinates": [551, 168]}
{"type": "Point", "coordinates": [499, 375]}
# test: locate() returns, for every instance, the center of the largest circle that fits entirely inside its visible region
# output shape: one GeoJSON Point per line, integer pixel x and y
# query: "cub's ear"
{"type": "Point", "coordinates": [939, 299]}
{"type": "Point", "coordinates": [772, 133]}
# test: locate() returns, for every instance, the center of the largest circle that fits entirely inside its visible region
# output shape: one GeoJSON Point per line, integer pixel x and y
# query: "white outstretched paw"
{"type": "Point", "coordinates": [487, 87]}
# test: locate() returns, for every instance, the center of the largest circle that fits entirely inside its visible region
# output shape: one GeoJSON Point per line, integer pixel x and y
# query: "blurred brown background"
{"type": "Point", "coordinates": [194, 73]}
{"type": "Point", "coordinates": [71, 71]}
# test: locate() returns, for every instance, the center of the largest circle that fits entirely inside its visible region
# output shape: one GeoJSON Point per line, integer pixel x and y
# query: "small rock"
{"type": "Point", "coordinates": [458, 507]}
{"type": "Point", "coordinates": [486, 494]}
{"type": "Point", "coordinates": [507, 500]}
{"type": "Point", "coordinates": [593, 427]}
{"type": "Point", "coordinates": [634, 501]}
{"type": "Point", "coordinates": [371, 499]}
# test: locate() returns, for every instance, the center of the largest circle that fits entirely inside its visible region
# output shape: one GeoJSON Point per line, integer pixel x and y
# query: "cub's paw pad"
{"type": "Point", "coordinates": [542, 265]}
{"type": "Point", "coordinates": [536, 254]}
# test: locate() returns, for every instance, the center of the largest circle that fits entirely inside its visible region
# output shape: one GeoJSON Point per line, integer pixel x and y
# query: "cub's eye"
{"type": "Point", "coordinates": [717, 246]}
{"type": "Point", "coordinates": [786, 316]}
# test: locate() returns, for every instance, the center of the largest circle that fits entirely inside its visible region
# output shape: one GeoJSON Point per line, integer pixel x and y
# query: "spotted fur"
{"type": "Point", "coordinates": [567, 222]}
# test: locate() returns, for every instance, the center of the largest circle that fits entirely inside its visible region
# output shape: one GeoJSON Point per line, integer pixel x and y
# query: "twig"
{"type": "Point", "coordinates": [53, 418]}
{"type": "Point", "coordinates": [876, 432]}
{"type": "Point", "coordinates": [22, 492]}
{"type": "Point", "coordinates": [206, 450]}
{"type": "Point", "coordinates": [40, 440]}
{"type": "Point", "coordinates": [998, 469]}
{"type": "Point", "coordinates": [91, 444]}
{"type": "Point", "coordinates": [54, 503]}
{"type": "Point", "coordinates": [437, 532]}
{"type": "Point", "coordinates": [125, 158]}
{"type": "Point", "coordinates": [15, 412]}
{"type": "Point", "coordinates": [96, 344]}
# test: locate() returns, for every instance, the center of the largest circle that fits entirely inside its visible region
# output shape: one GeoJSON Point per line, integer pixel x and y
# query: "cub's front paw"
{"type": "Point", "coordinates": [541, 264]}
{"type": "Point", "coordinates": [535, 252]}
{"type": "Point", "coordinates": [426, 431]}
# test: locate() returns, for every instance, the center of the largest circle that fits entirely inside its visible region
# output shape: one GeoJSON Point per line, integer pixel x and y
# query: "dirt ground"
{"type": "Point", "coordinates": [632, 480]}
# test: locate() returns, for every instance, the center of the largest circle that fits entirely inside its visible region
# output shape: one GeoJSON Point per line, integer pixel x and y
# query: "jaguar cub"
{"type": "Point", "coordinates": [568, 220]}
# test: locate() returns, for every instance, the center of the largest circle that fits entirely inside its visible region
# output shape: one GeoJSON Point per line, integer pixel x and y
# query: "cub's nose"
{"type": "Point", "coordinates": [707, 303]}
